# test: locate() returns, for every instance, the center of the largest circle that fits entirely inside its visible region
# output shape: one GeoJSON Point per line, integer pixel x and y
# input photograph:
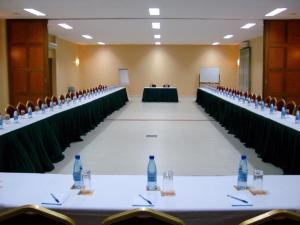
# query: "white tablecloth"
{"type": "Point", "coordinates": [288, 121]}
{"type": "Point", "coordinates": [37, 116]}
{"type": "Point", "coordinates": [198, 200]}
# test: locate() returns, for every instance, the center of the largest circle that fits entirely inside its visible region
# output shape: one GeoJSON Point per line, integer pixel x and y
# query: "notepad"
{"type": "Point", "coordinates": [48, 199]}
{"type": "Point", "coordinates": [235, 202]}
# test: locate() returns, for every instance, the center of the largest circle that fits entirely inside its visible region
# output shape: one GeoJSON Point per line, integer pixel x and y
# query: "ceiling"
{"type": "Point", "coordinates": [128, 21]}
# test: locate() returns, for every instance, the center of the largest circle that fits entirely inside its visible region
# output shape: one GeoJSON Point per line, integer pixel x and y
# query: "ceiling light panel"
{"type": "Point", "coordinates": [87, 36]}
{"type": "Point", "coordinates": [100, 43]}
{"type": "Point", "coordinates": [248, 25]}
{"type": "Point", "coordinates": [35, 12]}
{"type": "Point", "coordinates": [276, 11]}
{"type": "Point", "coordinates": [154, 11]}
{"type": "Point", "coordinates": [157, 43]}
{"type": "Point", "coordinates": [216, 43]}
{"type": "Point", "coordinates": [157, 36]}
{"type": "Point", "coordinates": [228, 36]}
{"type": "Point", "coordinates": [156, 25]}
{"type": "Point", "coordinates": [65, 26]}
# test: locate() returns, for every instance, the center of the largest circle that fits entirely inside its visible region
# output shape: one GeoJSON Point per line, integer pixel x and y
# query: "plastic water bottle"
{"type": "Point", "coordinates": [51, 106]}
{"type": "Point", "coordinates": [271, 109]}
{"type": "Point", "coordinates": [262, 106]}
{"type": "Point", "coordinates": [297, 117]}
{"type": "Point", "coordinates": [43, 108]}
{"type": "Point", "coordinates": [77, 172]}
{"type": "Point", "coordinates": [151, 174]}
{"type": "Point", "coordinates": [256, 103]}
{"type": "Point", "coordinates": [16, 116]}
{"type": "Point", "coordinates": [1, 122]}
{"type": "Point", "coordinates": [282, 112]}
{"type": "Point", "coordinates": [29, 112]}
{"type": "Point", "coordinates": [242, 173]}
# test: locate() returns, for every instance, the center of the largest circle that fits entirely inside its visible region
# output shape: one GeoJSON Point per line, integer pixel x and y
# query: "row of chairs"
{"type": "Point", "coordinates": [36, 215]}
{"type": "Point", "coordinates": [165, 85]}
{"type": "Point", "coordinates": [23, 108]}
{"type": "Point", "coordinates": [278, 104]}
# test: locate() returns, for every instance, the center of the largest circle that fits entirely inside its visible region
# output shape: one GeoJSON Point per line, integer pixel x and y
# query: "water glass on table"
{"type": "Point", "coordinates": [258, 176]}
{"type": "Point", "coordinates": [86, 182]}
{"type": "Point", "coordinates": [167, 186]}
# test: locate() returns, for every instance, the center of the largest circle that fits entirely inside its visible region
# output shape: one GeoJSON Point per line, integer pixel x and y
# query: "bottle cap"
{"type": "Point", "coordinates": [151, 157]}
{"type": "Point", "coordinates": [77, 156]}
{"type": "Point", "coordinates": [244, 157]}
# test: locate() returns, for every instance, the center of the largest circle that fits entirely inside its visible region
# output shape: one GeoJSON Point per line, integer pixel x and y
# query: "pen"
{"type": "Point", "coordinates": [54, 198]}
{"type": "Point", "coordinates": [242, 200]}
{"type": "Point", "coordinates": [147, 200]}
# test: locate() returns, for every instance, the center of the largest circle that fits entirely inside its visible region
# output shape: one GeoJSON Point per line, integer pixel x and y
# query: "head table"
{"type": "Point", "coordinates": [198, 199]}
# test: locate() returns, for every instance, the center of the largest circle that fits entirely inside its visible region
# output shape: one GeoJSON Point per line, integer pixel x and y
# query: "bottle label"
{"type": "Point", "coordinates": [77, 176]}
{"type": "Point", "coordinates": [242, 177]}
{"type": "Point", "coordinates": [151, 177]}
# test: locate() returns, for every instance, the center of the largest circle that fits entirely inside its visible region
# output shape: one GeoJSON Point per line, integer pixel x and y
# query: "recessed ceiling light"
{"type": "Point", "coordinates": [66, 26]}
{"type": "Point", "coordinates": [248, 25]}
{"type": "Point", "coordinates": [157, 43]}
{"type": "Point", "coordinates": [35, 12]}
{"type": "Point", "coordinates": [87, 36]}
{"type": "Point", "coordinates": [154, 11]}
{"type": "Point", "coordinates": [216, 43]}
{"type": "Point", "coordinates": [228, 36]}
{"type": "Point", "coordinates": [156, 25]}
{"type": "Point", "coordinates": [276, 11]}
{"type": "Point", "coordinates": [100, 43]}
{"type": "Point", "coordinates": [157, 36]}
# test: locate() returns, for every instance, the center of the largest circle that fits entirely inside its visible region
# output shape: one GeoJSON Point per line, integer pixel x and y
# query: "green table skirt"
{"type": "Point", "coordinates": [36, 147]}
{"type": "Point", "coordinates": [273, 142]}
{"type": "Point", "coordinates": [160, 95]}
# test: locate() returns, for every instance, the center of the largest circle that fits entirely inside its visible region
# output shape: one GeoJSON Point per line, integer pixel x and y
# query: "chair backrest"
{"type": "Point", "coordinates": [39, 102]}
{"type": "Point", "coordinates": [21, 107]}
{"type": "Point", "coordinates": [10, 110]}
{"type": "Point", "coordinates": [280, 104]}
{"type": "Point", "coordinates": [34, 215]}
{"type": "Point", "coordinates": [152, 85]}
{"type": "Point", "coordinates": [274, 217]}
{"type": "Point", "coordinates": [166, 85]}
{"type": "Point", "coordinates": [68, 95]}
{"type": "Point", "coordinates": [47, 101]}
{"type": "Point", "coordinates": [142, 216]}
{"type": "Point", "coordinates": [268, 100]}
{"type": "Point", "coordinates": [54, 99]}
{"type": "Point", "coordinates": [273, 101]}
{"type": "Point", "coordinates": [259, 98]}
{"type": "Point", "coordinates": [72, 95]}
{"type": "Point", "coordinates": [30, 104]}
{"type": "Point", "coordinates": [291, 106]}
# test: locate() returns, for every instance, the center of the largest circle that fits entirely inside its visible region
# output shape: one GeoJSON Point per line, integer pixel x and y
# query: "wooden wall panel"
{"type": "Point", "coordinates": [282, 59]}
{"type": "Point", "coordinates": [28, 60]}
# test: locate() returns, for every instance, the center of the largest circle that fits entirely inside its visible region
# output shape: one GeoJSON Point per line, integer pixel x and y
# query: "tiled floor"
{"type": "Point", "coordinates": [181, 135]}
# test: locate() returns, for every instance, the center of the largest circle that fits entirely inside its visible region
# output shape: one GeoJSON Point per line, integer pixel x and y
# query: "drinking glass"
{"type": "Point", "coordinates": [86, 181]}
{"type": "Point", "coordinates": [167, 187]}
{"type": "Point", "coordinates": [258, 176]}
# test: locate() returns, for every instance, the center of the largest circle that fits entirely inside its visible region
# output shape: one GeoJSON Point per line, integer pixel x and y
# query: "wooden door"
{"type": "Point", "coordinates": [28, 60]}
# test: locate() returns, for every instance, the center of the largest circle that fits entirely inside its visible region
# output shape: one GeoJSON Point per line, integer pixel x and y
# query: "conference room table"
{"type": "Point", "coordinates": [275, 139]}
{"type": "Point", "coordinates": [35, 144]}
{"type": "Point", "coordinates": [160, 94]}
{"type": "Point", "coordinates": [198, 199]}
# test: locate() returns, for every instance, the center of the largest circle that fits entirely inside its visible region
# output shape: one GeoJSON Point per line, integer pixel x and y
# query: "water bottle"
{"type": "Point", "coordinates": [1, 122]}
{"type": "Point", "coordinates": [282, 112]}
{"type": "Point", "coordinates": [256, 103]}
{"type": "Point", "coordinates": [16, 116]}
{"type": "Point", "coordinates": [297, 117]}
{"type": "Point", "coordinates": [43, 108]}
{"type": "Point", "coordinates": [59, 104]}
{"type": "Point", "coordinates": [29, 112]}
{"type": "Point", "coordinates": [51, 106]}
{"type": "Point", "coordinates": [242, 173]}
{"type": "Point", "coordinates": [151, 174]}
{"type": "Point", "coordinates": [271, 109]}
{"type": "Point", "coordinates": [262, 106]}
{"type": "Point", "coordinates": [77, 172]}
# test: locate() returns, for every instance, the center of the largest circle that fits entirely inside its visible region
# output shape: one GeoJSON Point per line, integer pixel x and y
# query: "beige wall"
{"type": "Point", "coordinates": [67, 73]}
{"type": "Point", "coordinates": [177, 65]}
{"type": "Point", "coordinates": [256, 65]}
{"type": "Point", "coordinates": [4, 94]}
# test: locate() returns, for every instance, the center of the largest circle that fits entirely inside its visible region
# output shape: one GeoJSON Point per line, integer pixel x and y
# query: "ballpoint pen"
{"type": "Point", "coordinates": [54, 198]}
{"type": "Point", "coordinates": [239, 199]}
{"type": "Point", "coordinates": [147, 200]}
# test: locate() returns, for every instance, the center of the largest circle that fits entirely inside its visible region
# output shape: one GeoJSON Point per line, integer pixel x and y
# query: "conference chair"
{"type": "Point", "coordinates": [259, 98]}
{"type": "Point", "coordinates": [30, 104]}
{"type": "Point", "coordinates": [291, 107]}
{"type": "Point", "coordinates": [281, 103]}
{"type": "Point", "coordinates": [54, 100]}
{"type": "Point", "coordinates": [68, 95]}
{"type": "Point", "coordinates": [253, 97]}
{"type": "Point", "coordinates": [72, 94]}
{"type": "Point", "coordinates": [142, 216]}
{"type": "Point", "coordinates": [268, 100]}
{"type": "Point", "coordinates": [33, 215]}
{"type": "Point", "coordinates": [152, 85]}
{"type": "Point", "coordinates": [10, 110]}
{"type": "Point", "coordinates": [47, 101]}
{"type": "Point", "coordinates": [39, 102]}
{"type": "Point", "coordinates": [21, 108]}
{"type": "Point", "coordinates": [62, 98]}
{"type": "Point", "coordinates": [274, 217]}
{"type": "Point", "coordinates": [274, 101]}
{"type": "Point", "coordinates": [166, 85]}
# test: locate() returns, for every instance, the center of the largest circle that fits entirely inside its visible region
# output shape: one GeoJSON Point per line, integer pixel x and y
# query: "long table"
{"type": "Point", "coordinates": [274, 139]}
{"type": "Point", "coordinates": [198, 199]}
{"type": "Point", "coordinates": [34, 144]}
{"type": "Point", "coordinates": [160, 94]}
